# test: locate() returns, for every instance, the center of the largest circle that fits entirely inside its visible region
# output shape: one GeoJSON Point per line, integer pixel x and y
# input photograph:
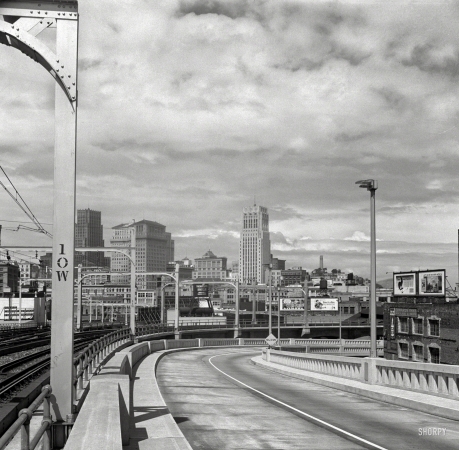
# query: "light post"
{"type": "Point", "coordinates": [372, 185]}
{"type": "Point", "coordinates": [270, 321]}
{"type": "Point", "coordinates": [339, 307]}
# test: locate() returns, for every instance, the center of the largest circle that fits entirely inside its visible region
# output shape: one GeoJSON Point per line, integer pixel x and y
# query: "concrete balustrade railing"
{"type": "Point", "coordinates": [436, 379]}
{"type": "Point", "coordinates": [342, 366]}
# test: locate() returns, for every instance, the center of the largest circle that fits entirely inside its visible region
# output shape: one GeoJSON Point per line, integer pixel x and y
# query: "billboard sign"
{"type": "Point", "coordinates": [324, 304]}
{"type": "Point", "coordinates": [292, 304]}
{"type": "Point", "coordinates": [405, 284]}
{"type": "Point", "coordinates": [200, 290]}
{"type": "Point", "coordinates": [432, 282]}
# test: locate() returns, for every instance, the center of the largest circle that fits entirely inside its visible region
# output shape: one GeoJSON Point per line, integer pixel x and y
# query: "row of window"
{"type": "Point", "coordinates": [417, 326]}
{"type": "Point", "coordinates": [417, 352]}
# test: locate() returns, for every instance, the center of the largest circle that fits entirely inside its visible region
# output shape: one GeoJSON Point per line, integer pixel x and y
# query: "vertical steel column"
{"type": "Point", "coordinates": [79, 298]}
{"type": "Point", "coordinates": [270, 321]}
{"type": "Point", "coordinates": [163, 306]}
{"type": "Point", "coordinates": [254, 306]}
{"type": "Point", "coordinates": [340, 331]}
{"type": "Point", "coordinates": [61, 370]}
{"type": "Point", "coordinates": [177, 311]}
{"type": "Point", "coordinates": [372, 185]}
{"type": "Point", "coordinates": [133, 291]}
{"type": "Point", "coordinates": [20, 300]}
{"type": "Point", "coordinates": [236, 312]}
{"type": "Point", "coordinates": [306, 301]}
{"type": "Point", "coordinates": [373, 352]}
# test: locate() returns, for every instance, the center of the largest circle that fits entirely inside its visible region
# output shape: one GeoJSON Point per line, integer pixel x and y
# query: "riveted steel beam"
{"type": "Point", "coordinates": [53, 9]}
{"type": "Point", "coordinates": [22, 22]}
{"type": "Point", "coordinates": [28, 44]}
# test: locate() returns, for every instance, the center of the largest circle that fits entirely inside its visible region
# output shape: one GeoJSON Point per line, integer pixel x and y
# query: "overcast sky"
{"type": "Point", "coordinates": [188, 110]}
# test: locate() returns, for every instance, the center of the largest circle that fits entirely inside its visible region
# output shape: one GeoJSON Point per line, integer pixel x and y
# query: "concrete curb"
{"type": "Point", "coordinates": [438, 406]}
{"type": "Point", "coordinates": [163, 432]}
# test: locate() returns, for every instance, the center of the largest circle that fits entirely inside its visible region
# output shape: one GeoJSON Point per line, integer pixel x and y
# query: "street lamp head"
{"type": "Point", "coordinates": [370, 185]}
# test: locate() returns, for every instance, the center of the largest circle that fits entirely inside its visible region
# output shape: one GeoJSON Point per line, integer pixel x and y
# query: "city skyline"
{"type": "Point", "coordinates": [186, 117]}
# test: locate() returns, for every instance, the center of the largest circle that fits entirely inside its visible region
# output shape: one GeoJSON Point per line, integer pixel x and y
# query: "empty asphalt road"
{"type": "Point", "coordinates": [222, 401]}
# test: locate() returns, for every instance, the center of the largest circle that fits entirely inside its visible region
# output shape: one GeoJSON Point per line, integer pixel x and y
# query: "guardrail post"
{"type": "Point", "coordinates": [241, 341]}
{"type": "Point", "coordinates": [25, 429]}
{"type": "Point", "coordinates": [86, 365]}
{"type": "Point", "coordinates": [80, 373]}
{"type": "Point", "coordinates": [372, 371]}
{"type": "Point", "coordinates": [47, 419]}
{"type": "Point", "coordinates": [200, 342]}
{"type": "Point", "coordinates": [165, 344]}
{"type": "Point", "coordinates": [91, 360]}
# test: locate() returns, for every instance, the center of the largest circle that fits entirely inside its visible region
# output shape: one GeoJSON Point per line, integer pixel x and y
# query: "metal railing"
{"type": "Point", "coordinates": [86, 364]}
{"type": "Point", "coordinates": [190, 325]}
{"type": "Point", "coordinates": [91, 357]}
{"type": "Point", "coordinates": [23, 424]}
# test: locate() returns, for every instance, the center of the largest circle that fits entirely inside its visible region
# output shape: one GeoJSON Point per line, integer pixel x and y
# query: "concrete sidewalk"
{"type": "Point", "coordinates": [431, 404]}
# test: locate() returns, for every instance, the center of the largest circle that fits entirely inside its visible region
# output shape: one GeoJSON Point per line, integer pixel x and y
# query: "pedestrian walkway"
{"type": "Point", "coordinates": [152, 426]}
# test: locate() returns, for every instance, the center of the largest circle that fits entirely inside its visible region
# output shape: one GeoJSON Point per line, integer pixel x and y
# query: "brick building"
{"type": "Point", "coordinates": [422, 330]}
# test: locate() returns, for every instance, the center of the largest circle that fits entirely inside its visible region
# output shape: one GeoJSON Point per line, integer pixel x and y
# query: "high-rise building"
{"type": "Point", "coordinates": [254, 245]}
{"type": "Point", "coordinates": [89, 233]}
{"type": "Point", "coordinates": [154, 248]}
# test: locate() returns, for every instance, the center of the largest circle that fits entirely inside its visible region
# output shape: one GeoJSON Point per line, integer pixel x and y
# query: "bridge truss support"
{"type": "Point", "coordinates": [23, 21]}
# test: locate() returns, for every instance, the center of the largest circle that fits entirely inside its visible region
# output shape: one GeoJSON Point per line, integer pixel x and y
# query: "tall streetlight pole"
{"type": "Point", "coordinates": [177, 299]}
{"type": "Point", "coordinates": [133, 290]}
{"type": "Point", "coordinates": [372, 185]}
{"type": "Point", "coordinates": [270, 302]}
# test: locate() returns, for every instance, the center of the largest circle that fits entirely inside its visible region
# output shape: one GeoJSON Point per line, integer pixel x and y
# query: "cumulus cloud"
{"type": "Point", "coordinates": [358, 236]}
{"type": "Point", "coordinates": [204, 104]}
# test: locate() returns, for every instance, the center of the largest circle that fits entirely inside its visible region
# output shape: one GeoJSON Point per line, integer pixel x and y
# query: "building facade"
{"type": "Point", "coordinates": [154, 248]}
{"type": "Point", "coordinates": [424, 330]}
{"type": "Point", "coordinates": [254, 245]}
{"type": "Point", "coordinates": [210, 266]}
{"type": "Point", "coordinates": [9, 278]}
{"type": "Point", "coordinates": [294, 276]}
{"type": "Point", "coordinates": [89, 233]}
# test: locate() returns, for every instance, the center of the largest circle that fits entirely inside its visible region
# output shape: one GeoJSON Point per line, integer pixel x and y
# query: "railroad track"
{"type": "Point", "coordinates": [16, 374]}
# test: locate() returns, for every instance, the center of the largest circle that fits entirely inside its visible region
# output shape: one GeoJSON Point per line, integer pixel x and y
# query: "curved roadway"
{"type": "Point", "coordinates": [220, 400]}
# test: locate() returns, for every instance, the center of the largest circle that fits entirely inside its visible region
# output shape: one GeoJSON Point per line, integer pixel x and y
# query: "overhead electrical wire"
{"type": "Point", "coordinates": [25, 208]}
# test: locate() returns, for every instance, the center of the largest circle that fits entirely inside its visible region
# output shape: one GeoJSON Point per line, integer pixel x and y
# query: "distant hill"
{"type": "Point", "coordinates": [386, 284]}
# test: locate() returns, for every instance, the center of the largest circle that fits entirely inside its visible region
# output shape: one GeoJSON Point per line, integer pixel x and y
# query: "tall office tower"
{"type": "Point", "coordinates": [254, 245]}
{"type": "Point", "coordinates": [89, 233]}
{"type": "Point", "coordinates": [154, 248]}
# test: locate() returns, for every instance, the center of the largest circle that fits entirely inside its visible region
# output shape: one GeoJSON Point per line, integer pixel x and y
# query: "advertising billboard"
{"type": "Point", "coordinates": [200, 290]}
{"type": "Point", "coordinates": [405, 284]}
{"type": "Point", "coordinates": [324, 304]}
{"type": "Point", "coordinates": [432, 282]}
{"type": "Point", "coordinates": [292, 304]}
